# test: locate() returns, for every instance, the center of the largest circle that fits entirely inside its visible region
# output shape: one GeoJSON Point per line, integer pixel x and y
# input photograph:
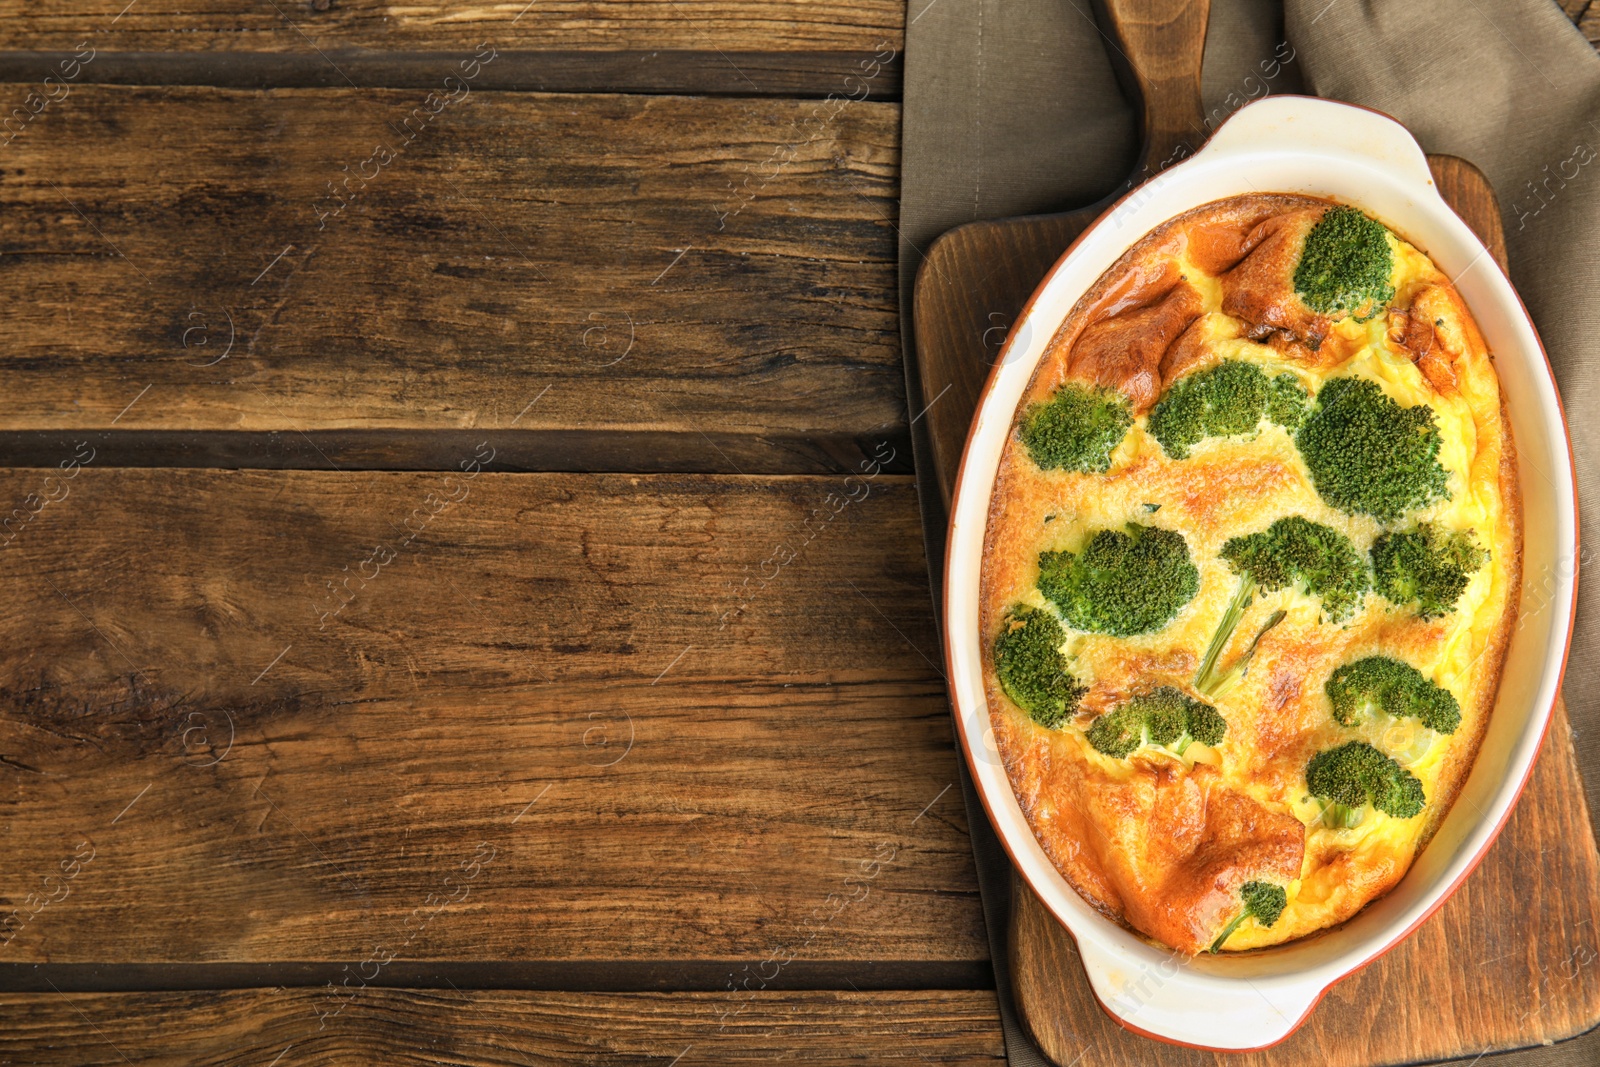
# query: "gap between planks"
{"type": "Point", "coordinates": [588, 976]}
{"type": "Point", "coordinates": [521, 451]}
{"type": "Point", "coordinates": [802, 75]}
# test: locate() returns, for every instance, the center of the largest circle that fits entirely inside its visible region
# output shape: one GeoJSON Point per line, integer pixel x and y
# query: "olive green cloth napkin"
{"type": "Point", "coordinates": [1011, 108]}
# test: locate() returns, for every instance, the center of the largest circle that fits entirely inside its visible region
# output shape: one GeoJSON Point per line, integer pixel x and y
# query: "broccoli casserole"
{"type": "Point", "coordinates": [1249, 573]}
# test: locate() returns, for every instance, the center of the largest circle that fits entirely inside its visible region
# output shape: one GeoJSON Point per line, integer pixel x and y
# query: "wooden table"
{"type": "Point", "coordinates": [467, 599]}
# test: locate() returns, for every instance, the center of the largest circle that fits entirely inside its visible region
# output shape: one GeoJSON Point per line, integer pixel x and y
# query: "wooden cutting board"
{"type": "Point", "coordinates": [1513, 959]}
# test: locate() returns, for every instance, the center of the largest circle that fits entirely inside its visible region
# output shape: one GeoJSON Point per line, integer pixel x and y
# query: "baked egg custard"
{"type": "Point", "coordinates": [1251, 565]}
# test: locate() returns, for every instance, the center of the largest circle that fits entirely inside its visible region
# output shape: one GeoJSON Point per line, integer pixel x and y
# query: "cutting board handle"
{"type": "Point", "coordinates": [1158, 45]}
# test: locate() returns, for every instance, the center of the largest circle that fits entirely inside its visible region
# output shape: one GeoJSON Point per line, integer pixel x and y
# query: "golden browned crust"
{"type": "Point", "coordinates": [1163, 844]}
{"type": "Point", "coordinates": [1448, 785]}
{"type": "Point", "coordinates": [1143, 276]}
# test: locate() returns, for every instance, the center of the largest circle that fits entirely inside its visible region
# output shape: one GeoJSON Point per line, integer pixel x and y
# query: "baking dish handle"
{"type": "Point", "coordinates": [1314, 126]}
{"type": "Point", "coordinates": [1174, 998]}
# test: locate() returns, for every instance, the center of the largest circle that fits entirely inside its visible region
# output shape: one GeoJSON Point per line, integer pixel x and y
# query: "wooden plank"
{"type": "Point", "coordinates": [490, 1029]}
{"type": "Point", "coordinates": [335, 26]}
{"type": "Point", "coordinates": [676, 268]}
{"type": "Point", "coordinates": [565, 718]}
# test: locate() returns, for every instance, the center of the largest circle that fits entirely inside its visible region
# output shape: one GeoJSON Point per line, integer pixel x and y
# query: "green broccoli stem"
{"type": "Point", "coordinates": [1219, 640]}
{"type": "Point", "coordinates": [1244, 661]}
{"type": "Point", "coordinates": [1337, 816]}
{"type": "Point", "coordinates": [1227, 931]}
{"type": "Point", "coordinates": [1220, 683]}
{"type": "Point", "coordinates": [1262, 900]}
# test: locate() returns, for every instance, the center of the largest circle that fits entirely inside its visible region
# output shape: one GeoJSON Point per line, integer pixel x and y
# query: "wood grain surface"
{"type": "Point", "coordinates": [1158, 51]}
{"type": "Point", "coordinates": [337, 26]}
{"type": "Point", "coordinates": [1586, 14]}
{"type": "Point", "coordinates": [1518, 976]}
{"type": "Point", "coordinates": [687, 718]}
{"type": "Point", "coordinates": [661, 273]}
{"type": "Point", "coordinates": [472, 1028]}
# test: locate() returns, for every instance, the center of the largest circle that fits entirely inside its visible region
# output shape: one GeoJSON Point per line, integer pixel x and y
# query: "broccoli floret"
{"type": "Point", "coordinates": [1077, 429]}
{"type": "Point", "coordinates": [1350, 777]}
{"type": "Point", "coordinates": [1164, 718]}
{"type": "Point", "coordinates": [1367, 454]}
{"type": "Point", "coordinates": [1227, 400]}
{"type": "Point", "coordinates": [1287, 401]}
{"type": "Point", "coordinates": [1294, 550]}
{"type": "Point", "coordinates": [1263, 900]}
{"type": "Point", "coordinates": [1425, 567]}
{"type": "Point", "coordinates": [1387, 686]}
{"type": "Point", "coordinates": [1031, 668]}
{"type": "Point", "coordinates": [1222, 401]}
{"type": "Point", "coordinates": [1346, 265]}
{"type": "Point", "coordinates": [1206, 725]}
{"type": "Point", "coordinates": [1317, 559]}
{"type": "Point", "coordinates": [1123, 582]}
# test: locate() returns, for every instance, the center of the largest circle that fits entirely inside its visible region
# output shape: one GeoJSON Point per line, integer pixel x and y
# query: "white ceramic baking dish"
{"type": "Point", "coordinates": [1360, 157]}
